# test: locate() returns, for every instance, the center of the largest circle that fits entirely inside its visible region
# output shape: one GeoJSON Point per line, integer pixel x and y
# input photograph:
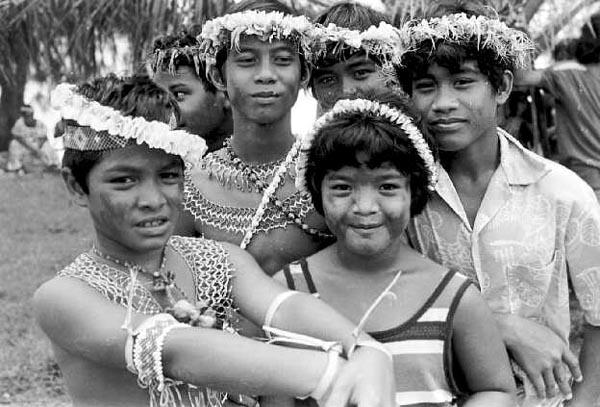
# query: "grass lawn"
{"type": "Point", "coordinates": [41, 232]}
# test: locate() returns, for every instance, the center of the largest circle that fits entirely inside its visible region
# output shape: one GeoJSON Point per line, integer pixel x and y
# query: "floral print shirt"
{"type": "Point", "coordinates": [538, 226]}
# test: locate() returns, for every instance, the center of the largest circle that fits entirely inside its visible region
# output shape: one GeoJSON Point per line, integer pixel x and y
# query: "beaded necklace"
{"type": "Point", "coordinates": [230, 169]}
{"type": "Point", "coordinates": [162, 281]}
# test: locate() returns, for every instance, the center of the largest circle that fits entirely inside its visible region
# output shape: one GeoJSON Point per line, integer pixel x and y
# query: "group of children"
{"type": "Point", "coordinates": [434, 243]}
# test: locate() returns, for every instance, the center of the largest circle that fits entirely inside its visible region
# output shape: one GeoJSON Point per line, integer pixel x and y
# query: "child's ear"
{"type": "Point", "coordinates": [73, 187]}
{"type": "Point", "coordinates": [223, 100]}
{"type": "Point", "coordinates": [505, 88]}
{"type": "Point", "coordinates": [217, 77]}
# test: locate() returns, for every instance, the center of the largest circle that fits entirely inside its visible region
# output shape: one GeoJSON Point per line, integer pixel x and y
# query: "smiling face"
{"type": "Point", "coordinates": [262, 80]}
{"type": "Point", "coordinates": [134, 199]}
{"type": "Point", "coordinates": [202, 112]}
{"type": "Point", "coordinates": [358, 72]}
{"type": "Point", "coordinates": [459, 108]}
{"type": "Point", "coordinates": [367, 209]}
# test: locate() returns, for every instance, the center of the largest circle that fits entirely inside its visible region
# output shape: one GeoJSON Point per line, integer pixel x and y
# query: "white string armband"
{"type": "Point", "coordinates": [273, 307]}
{"type": "Point", "coordinates": [326, 380]}
{"type": "Point", "coordinates": [143, 349]}
{"type": "Point", "coordinates": [370, 344]}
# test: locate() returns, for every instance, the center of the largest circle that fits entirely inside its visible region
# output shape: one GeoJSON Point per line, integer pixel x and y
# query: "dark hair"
{"type": "Point", "coordinates": [564, 50]}
{"type": "Point", "coordinates": [186, 38]}
{"type": "Point", "coordinates": [588, 46]}
{"type": "Point", "coordinates": [348, 15]}
{"type": "Point", "coordinates": [356, 139]}
{"type": "Point", "coordinates": [351, 15]}
{"type": "Point", "coordinates": [452, 55]}
{"type": "Point", "coordinates": [136, 96]}
{"type": "Point", "coordinates": [259, 5]}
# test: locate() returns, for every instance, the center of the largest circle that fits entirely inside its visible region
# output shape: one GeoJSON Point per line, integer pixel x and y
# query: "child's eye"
{"type": "Point", "coordinates": [245, 59]}
{"type": "Point", "coordinates": [179, 95]}
{"type": "Point", "coordinates": [340, 187]}
{"type": "Point", "coordinates": [389, 186]}
{"type": "Point", "coordinates": [463, 82]}
{"type": "Point", "coordinates": [122, 181]}
{"type": "Point", "coordinates": [171, 176]}
{"type": "Point", "coordinates": [423, 86]}
{"type": "Point", "coordinates": [362, 74]}
{"type": "Point", "coordinates": [284, 59]}
{"type": "Point", "coordinates": [327, 80]}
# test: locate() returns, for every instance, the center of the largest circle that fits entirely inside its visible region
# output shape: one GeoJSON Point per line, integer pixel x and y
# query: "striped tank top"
{"type": "Point", "coordinates": [421, 346]}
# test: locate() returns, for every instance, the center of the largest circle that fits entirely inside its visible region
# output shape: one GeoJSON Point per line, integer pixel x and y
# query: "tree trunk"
{"type": "Point", "coordinates": [10, 104]}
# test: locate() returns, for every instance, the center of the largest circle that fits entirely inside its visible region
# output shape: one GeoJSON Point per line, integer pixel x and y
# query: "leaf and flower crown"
{"type": "Point", "coordinates": [512, 46]}
{"type": "Point", "coordinates": [373, 108]}
{"type": "Point", "coordinates": [169, 56]}
{"type": "Point", "coordinates": [383, 42]}
{"type": "Point", "coordinates": [105, 128]}
{"type": "Point", "coordinates": [225, 32]}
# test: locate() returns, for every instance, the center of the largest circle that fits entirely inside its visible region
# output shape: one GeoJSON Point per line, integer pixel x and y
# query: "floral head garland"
{"type": "Point", "coordinates": [168, 57]}
{"type": "Point", "coordinates": [510, 45]}
{"type": "Point", "coordinates": [105, 128]}
{"type": "Point", "coordinates": [383, 42]}
{"type": "Point", "coordinates": [226, 31]}
{"type": "Point", "coordinates": [371, 107]}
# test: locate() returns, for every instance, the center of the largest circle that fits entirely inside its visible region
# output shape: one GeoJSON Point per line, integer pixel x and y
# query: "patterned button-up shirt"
{"type": "Point", "coordinates": [538, 225]}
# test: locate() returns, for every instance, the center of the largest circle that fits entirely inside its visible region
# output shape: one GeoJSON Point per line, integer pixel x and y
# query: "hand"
{"type": "Point", "coordinates": [366, 380]}
{"type": "Point", "coordinates": [541, 354]}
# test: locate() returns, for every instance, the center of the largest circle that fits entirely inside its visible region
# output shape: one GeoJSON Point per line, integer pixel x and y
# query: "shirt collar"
{"type": "Point", "coordinates": [521, 166]}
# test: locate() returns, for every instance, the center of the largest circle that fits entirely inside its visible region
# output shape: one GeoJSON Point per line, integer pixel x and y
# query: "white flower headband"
{"type": "Point", "coordinates": [99, 118]}
{"type": "Point", "coordinates": [374, 108]}
{"type": "Point", "coordinates": [383, 41]}
{"type": "Point", "coordinates": [226, 31]}
{"type": "Point", "coordinates": [511, 45]}
{"type": "Point", "coordinates": [169, 55]}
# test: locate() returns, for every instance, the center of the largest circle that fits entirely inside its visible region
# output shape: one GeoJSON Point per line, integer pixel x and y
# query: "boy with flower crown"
{"type": "Point", "coordinates": [175, 64]}
{"type": "Point", "coordinates": [369, 170]}
{"type": "Point", "coordinates": [139, 319]}
{"type": "Point", "coordinates": [353, 49]}
{"type": "Point", "coordinates": [244, 193]}
{"type": "Point", "coordinates": [520, 226]}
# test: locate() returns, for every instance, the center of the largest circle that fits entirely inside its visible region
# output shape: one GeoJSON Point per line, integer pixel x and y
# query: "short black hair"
{"type": "Point", "coordinates": [136, 96]}
{"type": "Point", "coordinates": [452, 55]}
{"type": "Point", "coordinates": [186, 38]}
{"type": "Point", "coordinates": [357, 139]}
{"type": "Point", "coordinates": [259, 5]}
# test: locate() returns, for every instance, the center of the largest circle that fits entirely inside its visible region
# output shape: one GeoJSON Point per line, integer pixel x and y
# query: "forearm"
{"type": "Point", "coordinates": [490, 399]}
{"type": "Point", "coordinates": [237, 364]}
{"type": "Point", "coordinates": [308, 316]}
{"type": "Point", "coordinates": [587, 392]}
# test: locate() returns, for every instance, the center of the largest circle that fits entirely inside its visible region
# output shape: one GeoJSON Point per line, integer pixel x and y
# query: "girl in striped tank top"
{"type": "Point", "coordinates": [369, 169]}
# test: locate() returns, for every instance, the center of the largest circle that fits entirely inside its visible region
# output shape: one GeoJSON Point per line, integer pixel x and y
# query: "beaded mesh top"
{"type": "Point", "coordinates": [212, 271]}
{"type": "Point", "coordinates": [237, 219]}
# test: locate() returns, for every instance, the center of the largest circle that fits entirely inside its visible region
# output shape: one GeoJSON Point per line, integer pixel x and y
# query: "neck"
{"type": "Point", "coordinates": [368, 265]}
{"type": "Point", "coordinates": [476, 160]}
{"type": "Point", "coordinates": [262, 143]}
{"type": "Point", "coordinates": [150, 260]}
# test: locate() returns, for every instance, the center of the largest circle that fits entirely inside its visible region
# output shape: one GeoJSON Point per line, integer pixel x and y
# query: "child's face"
{"type": "Point", "coordinates": [263, 79]}
{"type": "Point", "coordinates": [358, 72]}
{"type": "Point", "coordinates": [202, 112]}
{"type": "Point", "coordinates": [457, 107]}
{"type": "Point", "coordinates": [134, 199]}
{"type": "Point", "coordinates": [367, 209]}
